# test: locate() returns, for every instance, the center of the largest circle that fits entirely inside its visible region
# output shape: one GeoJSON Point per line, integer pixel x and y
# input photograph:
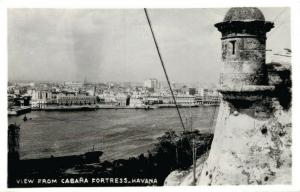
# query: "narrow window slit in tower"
{"type": "Point", "coordinates": [233, 46]}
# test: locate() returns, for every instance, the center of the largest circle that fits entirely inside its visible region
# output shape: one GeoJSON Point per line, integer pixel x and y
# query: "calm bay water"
{"type": "Point", "coordinates": [118, 133]}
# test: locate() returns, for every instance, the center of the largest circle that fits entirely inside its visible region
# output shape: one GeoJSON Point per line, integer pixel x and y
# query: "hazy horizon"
{"type": "Point", "coordinates": [116, 44]}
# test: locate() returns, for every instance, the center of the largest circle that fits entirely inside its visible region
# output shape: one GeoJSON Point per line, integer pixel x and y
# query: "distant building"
{"type": "Point", "coordinates": [121, 99]}
{"type": "Point", "coordinates": [126, 84]}
{"type": "Point", "coordinates": [152, 84]}
{"type": "Point", "coordinates": [168, 99]}
{"type": "Point", "coordinates": [39, 98]}
{"type": "Point", "coordinates": [75, 84]}
{"type": "Point", "coordinates": [208, 97]}
{"type": "Point", "coordinates": [207, 100]}
{"type": "Point", "coordinates": [136, 102]}
{"type": "Point", "coordinates": [76, 100]}
{"type": "Point", "coordinates": [180, 99]}
{"type": "Point", "coordinates": [39, 94]}
{"type": "Point", "coordinates": [17, 100]}
{"type": "Point", "coordinates": [152, 100]}
{"type": "Point", "coordinates": [192, 91]}
{"type": "Point", "coordinates": [107, 98]}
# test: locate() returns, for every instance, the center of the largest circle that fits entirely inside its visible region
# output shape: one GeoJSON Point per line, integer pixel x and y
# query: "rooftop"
{"type": "Point", "coordinates": [244, 14]}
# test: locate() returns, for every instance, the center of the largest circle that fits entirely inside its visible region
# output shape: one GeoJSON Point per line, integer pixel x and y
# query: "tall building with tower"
{"type": "Point", "coordinates": [152, 84]}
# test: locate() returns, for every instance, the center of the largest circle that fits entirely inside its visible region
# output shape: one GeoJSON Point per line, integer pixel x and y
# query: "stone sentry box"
{"type": "Point", "coordinates": [244, 46]}
{"type": "Point", "coordinates": [244, 80]}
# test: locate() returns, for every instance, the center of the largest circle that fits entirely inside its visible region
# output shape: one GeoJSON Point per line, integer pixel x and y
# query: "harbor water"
{"type": "Point", "coordinates": [118, 133]}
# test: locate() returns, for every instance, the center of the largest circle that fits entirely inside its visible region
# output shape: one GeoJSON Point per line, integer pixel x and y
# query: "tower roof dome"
{"type": "Point", "coordinates": [244, 14]}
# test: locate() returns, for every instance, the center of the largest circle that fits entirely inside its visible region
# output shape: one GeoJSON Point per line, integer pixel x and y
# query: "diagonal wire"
{"type": "Point", "coordinates": [163, 66]}
{"type": "Point", "coordinates": [274, 30]}
{"type": "Point", "coordinates": [165, 71]}
{"type": "Point", "coordinates": [276, 19]}
{"type": "Point", "coordinates": [279, 15]}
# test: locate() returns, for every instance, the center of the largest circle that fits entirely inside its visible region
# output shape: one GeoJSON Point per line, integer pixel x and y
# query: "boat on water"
{"type": "Point", "coordinates": [15, 111]}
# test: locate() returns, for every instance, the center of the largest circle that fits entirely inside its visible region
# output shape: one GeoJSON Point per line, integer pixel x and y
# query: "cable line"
{"type": "Point", "coordinates": [274, 30]}
{"type": "Point", "coordinates": [279, 15]}
{"type": "Point", "coordinates": [276, 19]}
{"type": "Point", "coordinates": [163, 66]}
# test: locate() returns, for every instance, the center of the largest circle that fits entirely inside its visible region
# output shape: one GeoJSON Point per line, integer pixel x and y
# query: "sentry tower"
{"type": "Point", "coordinates": [244, 79]}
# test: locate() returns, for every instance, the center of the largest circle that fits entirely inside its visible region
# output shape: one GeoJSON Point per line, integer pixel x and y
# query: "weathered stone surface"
{"type": "Point", "coordinates": [243, 47]}
{"type": "Point", "coordinates": [248, 150]}
{"type": "Point", "coordinates": [244, 60]}
{"type": "Point", "coordinates": [244, 14]}
{"type": "Point", "coordinates": [185, 178]}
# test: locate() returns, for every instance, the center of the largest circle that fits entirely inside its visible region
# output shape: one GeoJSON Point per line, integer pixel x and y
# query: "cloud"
{"type": "Point", "coordinates": [116, 44]}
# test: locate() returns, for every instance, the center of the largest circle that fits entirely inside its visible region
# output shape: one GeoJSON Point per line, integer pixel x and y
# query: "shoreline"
{"type": "Point", "coordinates": [98, 107]}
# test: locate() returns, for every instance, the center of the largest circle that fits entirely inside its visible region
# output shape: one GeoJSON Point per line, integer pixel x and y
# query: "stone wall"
{"type": "Point", "coordinates": [244, 61]}
{"type": "Point", "coordinates": [249, 150]}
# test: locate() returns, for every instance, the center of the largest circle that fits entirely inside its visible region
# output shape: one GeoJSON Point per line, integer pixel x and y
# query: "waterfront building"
{"type": "Point", "coordinates": [192, 91]}
{"type": "Point", "coordinates": [121, 99]}
{"type": "Point", "coordinates": [136, 102]}
{"type": "Point", "coordinates": [168, 99]}
{"type": "Point", "coordinates": [118, 99]}
{"type": "Point", "coordinates": [207, 100]}
{"type": "Point", "coordinates": [76, 100]}
{"type": "Point", "coordinates": [39, 94]}
{"type": "Point", "coordinates": [107, 98]}
{"type": "Point", "coordinates": [38, 104]}
{"type": "Point", "coordinates": [39, 98]}
{"type": "Point", "coordinates": [18, 100]}
{"type": "Point", "coordinates": [152, 100]}
{"type": "Point", "coordinates": [183, 100]}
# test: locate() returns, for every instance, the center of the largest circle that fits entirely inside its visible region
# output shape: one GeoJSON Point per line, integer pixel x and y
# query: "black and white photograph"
{"type": "Point", "coordinates": [112, 97]}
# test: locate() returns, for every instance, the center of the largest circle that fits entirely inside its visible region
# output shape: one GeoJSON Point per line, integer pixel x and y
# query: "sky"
{"type": "Point", "coordinates": [103, 45]}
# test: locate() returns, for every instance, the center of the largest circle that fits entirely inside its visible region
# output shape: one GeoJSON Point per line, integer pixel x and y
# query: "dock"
{"type": "Point", "coordinates": [18, 110]}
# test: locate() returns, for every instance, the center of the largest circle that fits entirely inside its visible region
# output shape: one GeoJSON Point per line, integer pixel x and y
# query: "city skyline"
{"type": "Point", "coordinates": [116, 45]}
{"type": "Point", "coordinates": [194, 97]}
